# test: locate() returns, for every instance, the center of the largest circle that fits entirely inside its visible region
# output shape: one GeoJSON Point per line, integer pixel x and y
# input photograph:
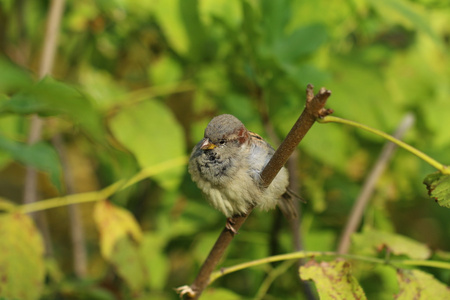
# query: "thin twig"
{"type": "Point", "coordinates": [317, 254]}
{"type": "Point", "coordinates": [442, 168]}
{"type": "Point", "coordinates": [51, 37]}
{"type": "Point", "coordinates": [47, 59]}
{"type": "Point", "coordinates": [314, 109]}
{"type": "Point", "coordinates": [75, 221]}
{"type": "Point", "coordinates": [369, 185]}
{"type": "Point", "coordinates": [104, 193]}
{"type": "Point", "coordinates": [272, 275]}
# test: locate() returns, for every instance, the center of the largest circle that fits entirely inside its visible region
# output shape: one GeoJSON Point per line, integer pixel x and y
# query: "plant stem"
{"type": "Point", "coordinates": [270, 259]}
{"type": "Point", "coordinates": [75, 220]}
{"type": "Point", "coordinates": [104, 193]}
{"type": "Point", "coordinates": [271, 276]}
{"type": "Point", "coordinates": [306, 254]}
{"type": "Point", "coordinates": [442, 168]}
{"type": "Point", "coordinates": [427, 263]}
{"type": "Point", "coordinates": [30, 195]}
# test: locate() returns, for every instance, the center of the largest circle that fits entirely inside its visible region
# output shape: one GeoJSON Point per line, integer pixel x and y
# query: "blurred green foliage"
{"type": "Point", "coordinates": [134, 85]}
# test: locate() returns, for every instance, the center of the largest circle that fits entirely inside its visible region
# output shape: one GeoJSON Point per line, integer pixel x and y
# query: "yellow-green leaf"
{"type": "Point", "coordinates": [438, 186]}
{"type": "Point", "coordinates": [164, 71]}
{"type": "Point", "coordinates": [418, 285]}
{"type": "Point", "coordinates": [21, 258]}
{"type": "Point", "coordinates": [114, 223]}
{"type": "Point", "coordinates": [333, 280]}
{"type": "Point", "coordinates": [120, 237]}
{"type": "Point", "coordinates": [397, 244]}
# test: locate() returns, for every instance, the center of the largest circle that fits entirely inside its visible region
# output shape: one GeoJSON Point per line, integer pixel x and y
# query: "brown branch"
{"type": "Point", "coordinates": [314, 109]}
{"type": "Point", "coordinates": [369, 185]}
{"type": "Point", "coordinates": [294, 223]}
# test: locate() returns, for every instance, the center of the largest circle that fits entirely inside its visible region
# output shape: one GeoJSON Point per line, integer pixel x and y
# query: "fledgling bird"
{"type": "Point", "coordinates": [226, 165]}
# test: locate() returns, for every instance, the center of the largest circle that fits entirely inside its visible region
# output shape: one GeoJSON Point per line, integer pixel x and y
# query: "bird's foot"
{"type": "Point", "coordinates": [185, 290]}
{"type": "Point", "coordinates": [229, 225]}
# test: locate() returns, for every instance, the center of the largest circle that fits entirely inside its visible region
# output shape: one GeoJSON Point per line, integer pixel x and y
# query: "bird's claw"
{"type": "Point", "coordinates": [229, 225]}
{"type": "Point", "coordinates": [185, 290]}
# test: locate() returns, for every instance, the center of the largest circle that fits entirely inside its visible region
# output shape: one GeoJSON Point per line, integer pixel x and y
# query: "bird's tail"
{"type": "Point", "coordinates": [288, 204]}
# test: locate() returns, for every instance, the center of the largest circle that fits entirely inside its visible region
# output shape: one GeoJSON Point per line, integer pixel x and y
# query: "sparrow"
{"type": "Point", "coordinates": [226, 165]}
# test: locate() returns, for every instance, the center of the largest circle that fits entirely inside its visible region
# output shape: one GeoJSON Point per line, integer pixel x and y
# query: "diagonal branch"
{"type": "Point", "coordinates": [314, 109]}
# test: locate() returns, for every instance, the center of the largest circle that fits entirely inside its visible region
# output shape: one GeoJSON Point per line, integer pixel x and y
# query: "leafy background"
{"type": "Point", "coordinates": [134, 85]}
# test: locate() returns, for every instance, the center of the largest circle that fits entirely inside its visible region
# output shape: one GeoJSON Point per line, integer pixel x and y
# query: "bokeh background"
{"type": "Point", "coordinates": [135, 83]}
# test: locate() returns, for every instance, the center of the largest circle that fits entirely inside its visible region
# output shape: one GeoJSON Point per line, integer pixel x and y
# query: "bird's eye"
{"type": "Point", "coordinates": [222, 142]}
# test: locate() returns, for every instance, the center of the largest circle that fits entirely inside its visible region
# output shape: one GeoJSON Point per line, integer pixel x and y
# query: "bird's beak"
{"type": "Point", "coordinates": [207, 145]}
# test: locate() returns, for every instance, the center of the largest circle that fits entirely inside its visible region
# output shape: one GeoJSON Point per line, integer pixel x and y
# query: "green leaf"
{"type": "Point", "coordinates": [303, 41]}
{"type": "Point", "coordinates": [438, 186]}
{"type": "Point", "coordinates": [418, 285]}
{"type": "Point", "coordinates": [436, 117]}
{"type": "Point", "coordinates": [156, 260]}
{"type": "Point", "coordinates": [333, 280]}
{"type": "Point", "coordinates": [49, 97]}
{"type": "Point", "coordinates": [12, 77]}
{"type": "Point", "coordinates": [101, 87]}
{"type": "Point", "coordinates": [21, 258]}
{"type": "Point", "coordinates": [320, 240]}
{"type": "Point", "coordinates": [303, 74]}
{"type": "Point", "coordinates": [11, 126]}
{"type": "Point", "coordinates": [405, 13]}
{"type": "Point", "coordinates": [250, 25]}
{"type": "Point", "coordinates": [151, 133]}
{"type": "Point", "coordinates": [120, 236]}
{"type": "Point", "coordinates": [165, 71]}
{"type": "Point", "coordinates": [129, 263]}
{"type": "Point", "coordinates": [169, 18]}
{"type": "Point", "coordinates": [353, 81]}
{"type": "Point", "coordinates": [198, 48]}
{"type": "Point", "coordinates": [41, 156]}
{"type": "Point", "coordinates": [228, 11]}
{"type": "Point", "coordinates": [275, 17]}
{"type": "Point", "coordinates": [397, 244]}
{"type": "Point", "coordinates": [317, 144]}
